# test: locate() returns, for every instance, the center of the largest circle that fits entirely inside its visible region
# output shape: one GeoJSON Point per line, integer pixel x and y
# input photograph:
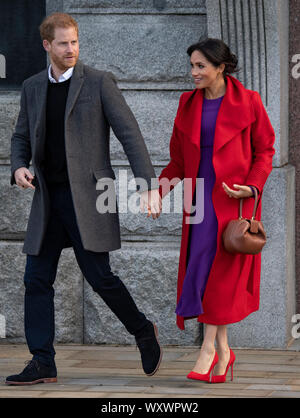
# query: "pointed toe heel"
{"type": "Point", "coordinates": [222, 377]}
{"type": "Point", "coordinates": [204, 377]}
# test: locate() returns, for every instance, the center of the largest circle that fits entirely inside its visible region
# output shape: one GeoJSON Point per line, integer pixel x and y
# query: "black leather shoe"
{"type": "Point", "coordinates": [151, 352]}
{"type": "Point", "coordinates": [34, 372]}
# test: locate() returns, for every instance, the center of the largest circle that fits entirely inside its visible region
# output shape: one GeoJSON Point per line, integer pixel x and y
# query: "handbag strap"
{"type": "Point", "coordinates": [254, 208]}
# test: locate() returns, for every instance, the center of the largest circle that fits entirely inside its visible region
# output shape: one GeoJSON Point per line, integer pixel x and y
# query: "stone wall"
{"type": "Point", "coordinates": [258, 32]}
{"type": "Point", "coordinates": [144, 44]}
{"type": "Point", "coordinates": [294, 106]}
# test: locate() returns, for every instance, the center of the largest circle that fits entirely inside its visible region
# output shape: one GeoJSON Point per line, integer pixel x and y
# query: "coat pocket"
{"type": "Point", "coordinates": [84, 100]}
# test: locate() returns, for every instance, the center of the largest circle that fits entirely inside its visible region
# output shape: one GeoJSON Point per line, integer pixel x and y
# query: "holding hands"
{"type": "Point", "coordinates": [151, 201]}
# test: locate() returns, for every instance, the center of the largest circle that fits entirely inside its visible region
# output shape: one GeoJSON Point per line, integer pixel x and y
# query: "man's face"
{"type": "Point", "coordinates": [64, 49]}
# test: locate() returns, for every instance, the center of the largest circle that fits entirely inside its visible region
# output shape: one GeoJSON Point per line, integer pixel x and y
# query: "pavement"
{"type": "Point", "coordinates": [111, 371]}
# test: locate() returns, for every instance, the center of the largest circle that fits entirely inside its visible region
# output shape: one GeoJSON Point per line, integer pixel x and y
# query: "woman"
{"type": "Point", "coordinates": [221, 133]}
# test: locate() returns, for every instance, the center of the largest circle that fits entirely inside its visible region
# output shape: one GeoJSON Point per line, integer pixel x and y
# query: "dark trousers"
{"type": "Point", "coordinates": [41, 271]}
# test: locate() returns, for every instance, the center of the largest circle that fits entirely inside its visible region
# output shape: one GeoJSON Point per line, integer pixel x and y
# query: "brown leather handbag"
{"type": "Point", "coordinates": [246, 236]}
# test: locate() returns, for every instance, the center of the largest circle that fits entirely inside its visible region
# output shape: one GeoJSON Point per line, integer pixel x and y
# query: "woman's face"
{"type": "Point", "coordinates": [204, 73]}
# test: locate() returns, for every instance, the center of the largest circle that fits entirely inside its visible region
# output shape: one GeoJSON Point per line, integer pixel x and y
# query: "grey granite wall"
{"type": "Point", "coordinates": [144, 44]}
{"type": "Point", "coordinates": [258, 32]}
{"type": "Point", "coordinates": [294, 106]}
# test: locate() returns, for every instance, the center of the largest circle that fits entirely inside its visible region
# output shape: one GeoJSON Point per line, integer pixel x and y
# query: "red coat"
{"type": "Point", "coordinates": [242, 154]}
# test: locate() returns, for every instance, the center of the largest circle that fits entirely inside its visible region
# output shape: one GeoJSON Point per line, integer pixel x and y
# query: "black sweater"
{"type": "Point", "coordinates": [55, 164]}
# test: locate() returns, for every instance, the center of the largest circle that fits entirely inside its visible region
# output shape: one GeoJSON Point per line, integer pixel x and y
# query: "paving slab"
{"type": "Point", "coordinates": [114, 371]}
{"type": "Point", "coordinates": [283, 394]}
{"type": "Point", "coordinates": [58, 394]}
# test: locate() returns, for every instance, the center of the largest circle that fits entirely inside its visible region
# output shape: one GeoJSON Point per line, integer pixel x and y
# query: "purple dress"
{"type": "Point", "coordinates": [203, 236]}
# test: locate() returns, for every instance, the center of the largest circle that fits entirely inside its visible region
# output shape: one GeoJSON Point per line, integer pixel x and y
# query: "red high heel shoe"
{"type": "Point", "coordinates": [221, 378]}
{"type": "Point", "coordinates": [204, 377]}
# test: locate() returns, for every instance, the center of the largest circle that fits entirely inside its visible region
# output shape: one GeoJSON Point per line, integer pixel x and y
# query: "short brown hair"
{"type": "Point", "coordinates": [56, 20]}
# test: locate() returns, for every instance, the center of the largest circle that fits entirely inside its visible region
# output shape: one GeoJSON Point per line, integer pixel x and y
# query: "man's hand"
{"type": "Point", "coordinates": [151, 200]}
{"type": "Point", "coordinates": [24, 178]}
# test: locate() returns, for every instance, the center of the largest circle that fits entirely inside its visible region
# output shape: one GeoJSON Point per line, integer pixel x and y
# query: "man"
{"type": "Point", "coordinates": [65, 116]}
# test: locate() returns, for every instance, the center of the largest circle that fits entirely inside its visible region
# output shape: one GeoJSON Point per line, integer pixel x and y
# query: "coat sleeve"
{"type": "Point", "coordinates": [20, 155]}
{"type": "Point", "coordinates": [252, 188]}
{"type": "Point", "coordinates": [173, 173]}
{"type": "Point", "coordinates": [262, 140]}
{"type": "Point", "coordinates": [126, 129]}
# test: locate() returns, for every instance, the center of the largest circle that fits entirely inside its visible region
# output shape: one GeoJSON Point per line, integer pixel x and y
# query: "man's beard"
{"type": "Point", "coordinates": [61, 64]}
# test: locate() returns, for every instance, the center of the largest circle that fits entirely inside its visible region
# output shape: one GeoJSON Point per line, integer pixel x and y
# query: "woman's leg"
{"type": "Point", "coordinates": [222, 349]}
{"type": "Point", "coordinates": [207, 351]}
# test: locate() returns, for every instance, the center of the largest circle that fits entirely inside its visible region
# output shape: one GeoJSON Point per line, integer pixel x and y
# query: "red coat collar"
{"type": "Point", "coordinates": [235, 114]}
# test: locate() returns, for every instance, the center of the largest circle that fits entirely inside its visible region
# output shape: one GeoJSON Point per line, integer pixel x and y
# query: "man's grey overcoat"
{"type": "Point", "coordinates": [94, 105]}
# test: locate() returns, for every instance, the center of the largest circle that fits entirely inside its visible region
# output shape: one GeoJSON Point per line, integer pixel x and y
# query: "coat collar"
{"type": "Point", "coordinates": [235, 114]}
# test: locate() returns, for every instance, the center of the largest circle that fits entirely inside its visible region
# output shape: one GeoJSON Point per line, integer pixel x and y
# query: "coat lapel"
{"type": "Point", "coordinates": [75, 86]}
{"type": "Point", "coordinates": [235, 114]}
{"type": "Point", "coordinates": [41, 98]}
{"type": "Point", "coordinates": [39, 133]}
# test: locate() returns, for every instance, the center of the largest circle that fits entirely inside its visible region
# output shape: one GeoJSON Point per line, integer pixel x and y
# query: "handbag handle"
{"type": "Point", "coordinates": [255, 206]}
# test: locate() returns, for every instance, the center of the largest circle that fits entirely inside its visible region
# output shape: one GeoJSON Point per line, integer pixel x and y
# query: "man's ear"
{"type": "Point", "coordinates": [46, 45]}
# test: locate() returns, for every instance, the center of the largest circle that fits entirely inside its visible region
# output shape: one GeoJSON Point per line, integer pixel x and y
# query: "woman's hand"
{"type": "Point", "coordinates": [151, 201]}
{"type": "Point", "coordinates": [243, 191]}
